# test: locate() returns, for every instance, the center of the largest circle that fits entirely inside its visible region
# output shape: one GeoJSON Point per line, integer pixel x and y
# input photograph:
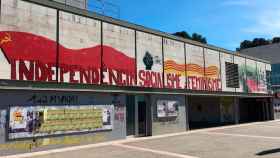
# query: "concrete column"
{"type": "Point", "coordinates": [187, 113]}
{"type": "Point", "coordinates": [270, 104]}
{"type": "Point", "coordinates": [136, 117]}
{"type": "Point", "coordinates": [236, 110]}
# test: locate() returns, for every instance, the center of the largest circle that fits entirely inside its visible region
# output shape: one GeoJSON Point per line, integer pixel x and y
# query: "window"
{"type": "Point", "coordinates": [232, 77]}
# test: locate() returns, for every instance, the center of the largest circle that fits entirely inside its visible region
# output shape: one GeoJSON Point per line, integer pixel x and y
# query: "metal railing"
{"type": "Point", "coordinates": [104, 7]}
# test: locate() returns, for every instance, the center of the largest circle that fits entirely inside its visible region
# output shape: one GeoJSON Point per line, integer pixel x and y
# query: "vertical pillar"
{"type": "Point", "coordinates": [236, 110]}
{"type": "Point", "coordinates": [136, 117]}
{"type": "Point", "coordinates": [187, 113]}
{"type": "Point", "coordinates": [268, 115]}
{"type": "Point", "coordinates": [270, 104]}
{"type": "Point", "coordinates": [265, 107]}
{"type": "Point", "coordinates": [149, 117]}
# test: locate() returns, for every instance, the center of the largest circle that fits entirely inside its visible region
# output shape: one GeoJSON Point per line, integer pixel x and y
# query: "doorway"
{"type": "Point", "coordinates": [254, 109]}
{"type": "Point", "coordinates": [138, 117]}
{"type": "Point", "coordinates": [142, 119]}
{"type": "Point", "coordinates": [130, 115]}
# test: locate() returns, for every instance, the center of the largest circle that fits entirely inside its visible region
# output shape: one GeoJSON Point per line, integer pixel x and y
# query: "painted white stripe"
{"type": "Point", "coordinates": [52, 151]}
{"type": "Point", "coordinates": [270, 126]}
{"type": "Point", "coordinates": [165, 153]}
{"type": "Point", "coordinates": [241, 135]}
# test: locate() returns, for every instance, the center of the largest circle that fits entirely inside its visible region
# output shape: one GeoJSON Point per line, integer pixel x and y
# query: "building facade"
{"type": "Point", "coordinates": [270, 53]}
{"type": "Point", "coordinates": [70, 77]}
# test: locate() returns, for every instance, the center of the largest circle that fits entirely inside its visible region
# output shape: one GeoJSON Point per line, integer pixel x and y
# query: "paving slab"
{"type": "Point", "coordinates": [208, 145]}
{"type": "Point", "coordinates": [252, 141]}
{"type": "Point", "coordinates": [264, 129]}
{"type": "Point", "coordinates": [104, 152]}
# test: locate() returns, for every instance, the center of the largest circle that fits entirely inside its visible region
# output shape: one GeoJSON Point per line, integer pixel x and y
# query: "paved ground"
{"type": "Point", "coordinates": [258, 140]}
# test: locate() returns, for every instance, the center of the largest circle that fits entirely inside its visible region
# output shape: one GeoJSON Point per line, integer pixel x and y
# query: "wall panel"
{"type": "Point", "coordinates": [174, 64]}
{"type": "Point", "coordinates": [118, 55]}
{"type": "Point", "coordinates": [212, 70]}
{"type": "Point", "coordinates": [149, 60]}
{"type": "Point", "coordinates": [195, 67]}
{"type": "Point", "coordinates": [251, 76]}
{"type": "Point", "coordinates": [241, 61]}
{"type": "Point", "coordinates": [225, 58]}
{"type": "Point", "coordinates": [79, 49]}
{"type": "Point", "coordinates": [28, 41]}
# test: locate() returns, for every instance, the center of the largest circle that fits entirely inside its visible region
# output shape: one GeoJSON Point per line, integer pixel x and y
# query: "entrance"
{"type": "Point", "coordinates": [254, 109]}
{"type": "Point", "coordinates": [142, 119]}
{"type": "Point", "coordinates": [138, 116]}
{"type": "Point", "coordinates": [130, 115]}
{"type": "Point", "coordinates": [205, 112]}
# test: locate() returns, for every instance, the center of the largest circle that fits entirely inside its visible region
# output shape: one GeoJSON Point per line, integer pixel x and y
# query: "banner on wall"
{"type": "Point", "coordinates": [241, 62]}
{"type": "Point", "coordinates": [262, 83]}
{"type": "Point", "coordinates": [202, 74]}
{"type": "Point", "coordinates": [174, 64]}
{"type": "Point", "coordinates": [251, 84]}
{"type": "Point", "coordinates": [35, 121]}
{"type": "Point", "coordinates": [167, 108]}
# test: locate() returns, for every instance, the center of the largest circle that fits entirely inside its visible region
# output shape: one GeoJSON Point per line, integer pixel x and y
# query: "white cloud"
{"type": "Point", "coordinates": [265, 23]}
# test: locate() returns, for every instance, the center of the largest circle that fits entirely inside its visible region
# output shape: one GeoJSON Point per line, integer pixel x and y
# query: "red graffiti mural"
{"type": "Point", "coordinates": [34, 58]}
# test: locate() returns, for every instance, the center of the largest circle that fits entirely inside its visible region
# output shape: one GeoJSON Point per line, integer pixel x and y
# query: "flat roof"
{"type": "Point", "coordinates": [96, 16]}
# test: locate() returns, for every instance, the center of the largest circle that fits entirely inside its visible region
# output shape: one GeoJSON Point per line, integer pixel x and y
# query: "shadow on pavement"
{"type": "Point", "coordinates": [267, 152]}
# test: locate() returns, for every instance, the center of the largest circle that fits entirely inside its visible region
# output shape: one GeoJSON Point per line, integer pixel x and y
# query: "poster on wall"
{"type": "Point", "coordinates": [79, 49]}
{"type": "Point", "coordinates": [174, 64]}
{"type": "Point", "coordinates": [27, 41]}
{"type": "Point", "coordinates": [261, 72]}
{"type": "Point", "coordinates": [212, 70]}
{"type": "Point", "coordinates": [225, 57]}
{"type": "Point", "coordinates": [149, 60]}
{"type": "Point", "coordinates": [251, 76]}
{"type": "Point", "coordinates": [241, 62]}
{"type": "Point", "coordinates": [195, 67]}
{"type": "Point", "coordinates": [118, 43]}
{"type": "Point", "coordinates": [167, 108]}
{"type": "Point", "coordinates": [26, 122]}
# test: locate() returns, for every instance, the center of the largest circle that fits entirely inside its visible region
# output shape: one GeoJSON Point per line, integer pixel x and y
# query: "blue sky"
{"type": "Point", "coordinates": [225, 23]}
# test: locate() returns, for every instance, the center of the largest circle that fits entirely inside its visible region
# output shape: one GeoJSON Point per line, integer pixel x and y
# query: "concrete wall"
{"type": "Point", "coordinates": [168, 125]}
{"type": "Point", "coordinates": [24, 98]}
{"type": "Point", "coordinates": [75, 3]}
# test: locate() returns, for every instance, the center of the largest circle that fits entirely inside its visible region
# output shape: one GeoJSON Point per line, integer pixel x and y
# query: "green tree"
{"type": "Point", "coordinates": [182, 34]}
{"type": "Point", "coordinates": [276, 40]}
{"type": "Point", "coordinates": [245, 44]}
{"type": "Point", "coordinates": [195, 36]}
{"type": "Point", "coordinates": [199, 38]}
{"type": "Point", "coordinates": [255, 43]}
